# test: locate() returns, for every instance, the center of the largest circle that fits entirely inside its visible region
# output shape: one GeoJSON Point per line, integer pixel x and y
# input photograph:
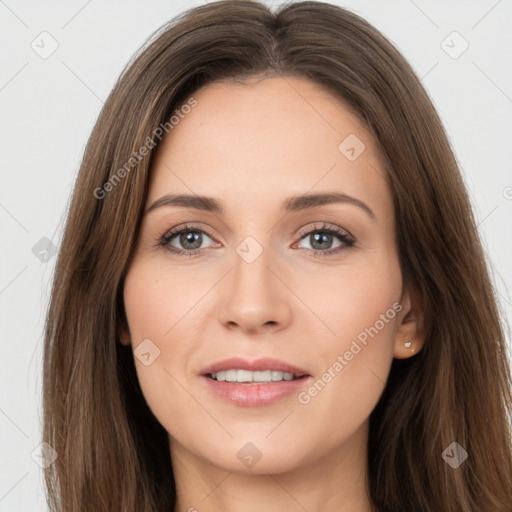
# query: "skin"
{"type": "Point", "coordinates": [251, 146]}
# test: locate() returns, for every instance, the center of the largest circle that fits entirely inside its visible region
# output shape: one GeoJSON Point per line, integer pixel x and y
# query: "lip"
{"type": "Point", "coordinates": [250, 394]}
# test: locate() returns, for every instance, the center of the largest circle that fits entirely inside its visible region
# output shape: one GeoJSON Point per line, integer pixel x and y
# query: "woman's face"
{"type": "Point", "coordinates": [245, 281]}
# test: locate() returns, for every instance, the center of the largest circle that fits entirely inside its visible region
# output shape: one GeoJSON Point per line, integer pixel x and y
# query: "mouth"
{"type": "Point", "coordinates": [254, 383]}
{"type": "Point", "coordinates": [258, 371]}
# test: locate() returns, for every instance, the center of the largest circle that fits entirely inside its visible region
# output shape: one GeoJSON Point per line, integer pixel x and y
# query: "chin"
{"type": "Point", "coordinates": [247, 455]}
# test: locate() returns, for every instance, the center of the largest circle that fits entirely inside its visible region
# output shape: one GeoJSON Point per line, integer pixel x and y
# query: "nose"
{"type": "Point", "coordinates": [254, 296]}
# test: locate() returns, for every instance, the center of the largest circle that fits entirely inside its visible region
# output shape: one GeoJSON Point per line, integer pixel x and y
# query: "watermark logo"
{"type": "Point", "coordinates": [249, 249]}
{"type": "Point", "coordinates": [249, 455]}
{"type": "Point", "coordinates": [454, 455]}
{"type": "Point", "coordinates": [44, 45]}
{"type": "Point", "coordinates": [44, 455]}
{"type": "Point", "coordinates": [44, 250]}
{"type": "Point", "coordinates": [146, 352]}
{"type": "Point", "coordinates": [454, 45]}
{"type": "Point", "coordinates": [351, 147]}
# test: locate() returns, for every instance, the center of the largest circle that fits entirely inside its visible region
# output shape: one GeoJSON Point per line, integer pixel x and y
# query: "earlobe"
{"type": "Point", "coordinates": [124, 338]}
{"type": "Point", "coordinates": [406, 349]}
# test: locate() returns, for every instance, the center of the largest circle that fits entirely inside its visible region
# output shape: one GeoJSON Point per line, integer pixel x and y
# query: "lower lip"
{"type": "Point", "coordinates": [255, 395]}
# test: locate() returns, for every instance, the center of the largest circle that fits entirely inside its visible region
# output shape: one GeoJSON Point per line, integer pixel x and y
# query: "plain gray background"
{"type": "Point", "coordinates": [49, 104]}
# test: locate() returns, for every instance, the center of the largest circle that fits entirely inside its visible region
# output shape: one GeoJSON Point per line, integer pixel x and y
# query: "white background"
{"type": "Point", "coordinates": [48, 108]}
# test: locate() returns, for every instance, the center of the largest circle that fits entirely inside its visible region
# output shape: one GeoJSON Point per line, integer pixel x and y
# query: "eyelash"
{"type": "Point", "coordinates": [164, 240]}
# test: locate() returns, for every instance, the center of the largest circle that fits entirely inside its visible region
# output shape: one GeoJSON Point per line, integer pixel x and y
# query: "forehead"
{"type": "Point", "coordinates": [252, 143]}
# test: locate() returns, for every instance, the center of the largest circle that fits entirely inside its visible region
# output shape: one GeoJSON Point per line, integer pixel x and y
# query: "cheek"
{"type": "Point", "coordinates": [353, 301]}
{"type": "Point", "coordinates": [362, 313]}
{"type": "Point", "coordinates": [160, 301]}
{"type": "Point", "coordinates": [157, 314]}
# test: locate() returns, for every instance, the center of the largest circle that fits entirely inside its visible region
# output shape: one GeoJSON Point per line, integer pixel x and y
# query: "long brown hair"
{"type": "Point", "coordinates": [112, 452]}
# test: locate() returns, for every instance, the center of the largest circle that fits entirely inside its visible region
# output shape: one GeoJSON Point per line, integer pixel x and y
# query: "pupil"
{"type": "Point", "coordinates": [191, 237]}
{"type": "Point", "coordinates": [319, 236]}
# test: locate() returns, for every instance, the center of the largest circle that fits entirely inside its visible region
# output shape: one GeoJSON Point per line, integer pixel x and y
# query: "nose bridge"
{"type": "Point", "coordinates": [254, 296]}
{"type": "Point", "coordinates": [251, 264]}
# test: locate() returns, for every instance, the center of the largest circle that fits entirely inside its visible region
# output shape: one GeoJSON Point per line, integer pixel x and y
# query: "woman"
{"type": "Point", "coordinates": [271, 293]}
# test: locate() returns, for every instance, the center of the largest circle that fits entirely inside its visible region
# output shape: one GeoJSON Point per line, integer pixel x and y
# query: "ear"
{"type": "Point", "coordinates": [410, 331]}
{"type": "Point", "coordinates": [122, 330]}
{"type": "Point", "coordinates": [124, 336]}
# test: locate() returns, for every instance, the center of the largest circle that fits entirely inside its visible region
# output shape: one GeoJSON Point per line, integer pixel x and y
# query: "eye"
{"type": "Point", "coordinates": [189, 239]}
{"type": "Point", "coordinates": [322, 237]}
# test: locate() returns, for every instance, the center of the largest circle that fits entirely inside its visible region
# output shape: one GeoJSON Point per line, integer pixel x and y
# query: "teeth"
{"type": "Point", "coordinates": [247, 376]}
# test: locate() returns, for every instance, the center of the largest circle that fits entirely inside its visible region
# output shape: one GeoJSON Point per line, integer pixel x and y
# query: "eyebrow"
{"type": "Point", "coordinates": [292, 204]}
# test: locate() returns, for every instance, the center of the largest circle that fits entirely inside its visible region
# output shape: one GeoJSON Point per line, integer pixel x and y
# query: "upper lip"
{"type": "Point", "coordinates": [260, 364]}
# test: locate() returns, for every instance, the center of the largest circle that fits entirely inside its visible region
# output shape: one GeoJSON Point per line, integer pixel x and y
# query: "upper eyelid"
{"type": "Point", "coordinates": [327, 227]}
{"type": "Point", "coordinates": [339, 231]}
